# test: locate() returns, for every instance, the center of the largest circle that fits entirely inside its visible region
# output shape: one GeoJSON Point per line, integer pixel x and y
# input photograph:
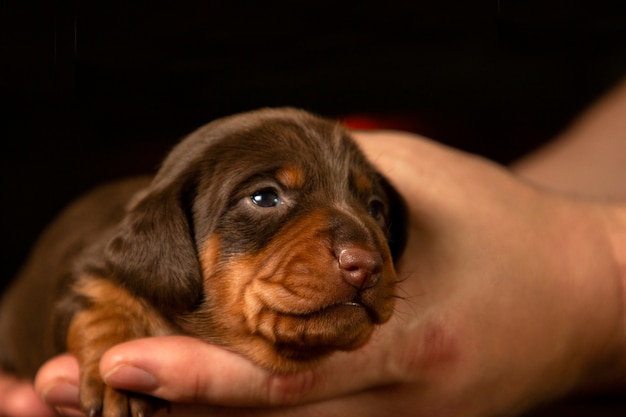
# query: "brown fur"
{"type": "Point", "coordinates": [266, 232]}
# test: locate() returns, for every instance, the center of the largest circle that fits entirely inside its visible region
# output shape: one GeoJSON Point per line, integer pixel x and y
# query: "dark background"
{"type": "Point", "coordinates": [96, 90]}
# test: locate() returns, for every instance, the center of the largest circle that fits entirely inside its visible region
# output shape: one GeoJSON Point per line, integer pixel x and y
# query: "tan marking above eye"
{"type": "Point", "coordinates": [363, 184]}
{"type": "Point", "coordinates": [291, 177]}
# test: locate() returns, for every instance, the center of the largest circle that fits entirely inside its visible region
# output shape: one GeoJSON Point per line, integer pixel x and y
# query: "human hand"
{"type": "Point", "coordinates": [510, 296]}
{"type": "Point", "coordinates": [19, 399]}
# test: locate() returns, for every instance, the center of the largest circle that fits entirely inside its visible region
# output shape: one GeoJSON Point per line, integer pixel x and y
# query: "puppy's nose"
{"type": "Point", "coordinates": [361, 268]}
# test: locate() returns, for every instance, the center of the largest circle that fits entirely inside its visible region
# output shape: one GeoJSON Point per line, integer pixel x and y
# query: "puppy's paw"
{"type": "Point", "coordinates": [100, 400]}
{"type": "Point", "coordinates": [113, 316]}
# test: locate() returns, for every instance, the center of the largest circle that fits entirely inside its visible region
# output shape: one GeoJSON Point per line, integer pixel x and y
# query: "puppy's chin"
{"type": "Point", "coordinates": [288, 343]}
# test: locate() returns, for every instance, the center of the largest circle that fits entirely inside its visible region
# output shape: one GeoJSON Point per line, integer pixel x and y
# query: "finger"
{"type": "Point", "coordinates": [19, 399]}
{"type": "Point", "coordinates": [183, 369]}
{"type": "Point", "coordinates": [57, 383]}
{"type": "Point", "coordinates": [390, 400]}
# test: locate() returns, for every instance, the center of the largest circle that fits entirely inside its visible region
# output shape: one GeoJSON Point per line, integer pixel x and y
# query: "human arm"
{"type": "Point", "coordinates": [589, 158]}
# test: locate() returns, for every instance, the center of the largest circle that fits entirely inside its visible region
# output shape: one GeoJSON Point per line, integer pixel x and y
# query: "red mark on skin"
{"type": "Point", "coordinates": [429, 347]}
{"type": "Point", "coordinates": [438, 347]}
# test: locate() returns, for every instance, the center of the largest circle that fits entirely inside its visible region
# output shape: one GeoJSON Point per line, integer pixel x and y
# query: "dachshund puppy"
{"type": "Point", "coordinates": [267, 233]}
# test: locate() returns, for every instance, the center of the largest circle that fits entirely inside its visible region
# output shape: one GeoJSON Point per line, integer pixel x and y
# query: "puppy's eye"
{"type": "Point", "coordinates": [266, 198]}
{"type": "Point", "coordinates": [376, 209]}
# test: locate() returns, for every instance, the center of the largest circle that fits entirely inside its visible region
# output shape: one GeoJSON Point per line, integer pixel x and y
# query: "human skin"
{"type": "Point", "coordinates": [511, 295]}
{"type": "Point", "coordinates": [17, 398]}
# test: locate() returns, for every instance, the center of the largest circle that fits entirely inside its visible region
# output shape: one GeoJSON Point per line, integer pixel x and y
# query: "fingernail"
{"type": "Point", "coordinates": [61, 394]}
{"type": "Point", "coordinates": [131, 378]}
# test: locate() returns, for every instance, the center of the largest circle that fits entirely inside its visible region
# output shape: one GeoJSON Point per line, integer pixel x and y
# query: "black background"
{"type": "Point", "coordinates": [98, 90]}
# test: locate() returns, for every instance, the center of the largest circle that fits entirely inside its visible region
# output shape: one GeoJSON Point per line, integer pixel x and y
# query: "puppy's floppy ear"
{"type": "Point", "coordinates": [153, 253]}
{"type": "Point", "coordinates": [398, 219]}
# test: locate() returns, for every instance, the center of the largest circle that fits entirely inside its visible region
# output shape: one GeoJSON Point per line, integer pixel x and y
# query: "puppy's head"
{"type": "Point", "coordinates": [268, 233]}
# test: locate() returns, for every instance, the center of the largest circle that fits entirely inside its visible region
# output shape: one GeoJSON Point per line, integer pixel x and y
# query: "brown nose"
{"type": "Point", "coordinates": [361, 268]}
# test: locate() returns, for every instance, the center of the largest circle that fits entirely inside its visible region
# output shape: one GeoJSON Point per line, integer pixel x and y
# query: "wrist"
{"type": "Point", "coordinates": [609, 370]}
{"type": "Point", "coordinates": [616, 232]}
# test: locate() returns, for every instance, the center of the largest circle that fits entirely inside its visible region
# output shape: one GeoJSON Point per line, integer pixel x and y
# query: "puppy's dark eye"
{"type": "Point", "coordinates": [376, 209]}
{"type": "Point", "coordinates": [266, 198]}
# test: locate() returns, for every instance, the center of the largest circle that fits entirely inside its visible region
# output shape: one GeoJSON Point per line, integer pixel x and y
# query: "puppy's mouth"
{"type": "Point", "coordinates": [345, 325]}
{"type": "Point", "coordinates": [349, 308]}
{"type": "Point", "coordinates": [353, 304]}
{"type": "Point", "coordinates": [353, 309]}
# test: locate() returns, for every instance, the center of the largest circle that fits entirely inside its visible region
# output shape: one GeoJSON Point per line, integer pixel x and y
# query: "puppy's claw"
{"type": "Point", "coordinates": [101, 400]}
{"type": "Point", "coordinates": [91, 399]}
{"type": "Point", "coordinates": [144, 406]}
